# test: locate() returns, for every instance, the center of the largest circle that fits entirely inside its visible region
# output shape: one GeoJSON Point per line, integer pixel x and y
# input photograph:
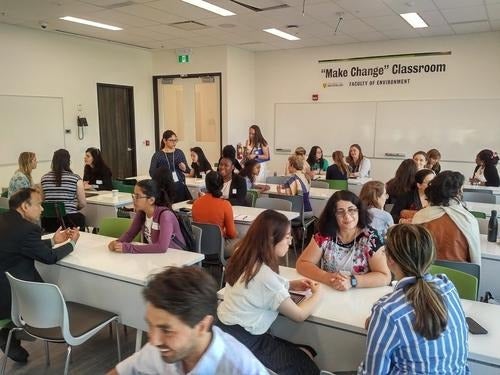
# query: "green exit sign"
{"type": "Point", "coordinates": [183, 59]}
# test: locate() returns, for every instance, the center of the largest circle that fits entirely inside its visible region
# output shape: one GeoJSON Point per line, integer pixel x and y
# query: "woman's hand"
{"type": "Point", "coordinates": [301, 284]}
{"type": "Point", "coordinates": [182, 166]}
{"type": "Point", "coordinates": [340, 282]}
{"type": "Point", "coordinates": [116, 246]}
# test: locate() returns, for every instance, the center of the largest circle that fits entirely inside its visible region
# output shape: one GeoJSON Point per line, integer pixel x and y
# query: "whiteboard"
{"type": "Point", "coordinates": [30, 123]}
{"type": "Point", "coordinates": [332, 126]}
{"type": "Point", "coordinates": [458, 128]}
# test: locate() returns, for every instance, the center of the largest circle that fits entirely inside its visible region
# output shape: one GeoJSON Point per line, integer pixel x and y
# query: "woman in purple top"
{"type": "Point", "coordinates": [154, 217]}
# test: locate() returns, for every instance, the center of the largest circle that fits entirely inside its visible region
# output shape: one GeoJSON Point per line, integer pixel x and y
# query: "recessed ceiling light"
{"type": "Point", "coordinates": [90, 23]}
{"type": "Point", "coordinates": [210, 7]}
{"type": "Point", "coordinates": [281, 34]}
{"type": "Point", "coordinates": [414, 20]}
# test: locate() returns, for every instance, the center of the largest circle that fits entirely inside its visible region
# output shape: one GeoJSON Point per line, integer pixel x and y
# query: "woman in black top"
{"type": "Point", "coordinates": [339, 170]}
{"type": "Point", "coordinates": [96, 174]}
{"type": "Point", "coordinates": [200, 166]}
{"type": "Point", "coordinates": [403, 182]}
{"type": "Point", "coordinates": [486, 161]}
{"type": "Point", "coordinates": [235, 187]}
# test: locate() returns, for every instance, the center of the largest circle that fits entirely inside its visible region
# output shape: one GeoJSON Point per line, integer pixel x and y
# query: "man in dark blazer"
{"type": "Point", "coordinates": [20, 246]}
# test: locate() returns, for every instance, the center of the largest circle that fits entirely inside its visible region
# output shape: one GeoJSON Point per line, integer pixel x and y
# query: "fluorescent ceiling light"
{"type": "Point", "coordinates": [281, 34]}
{"type": "Point", "coordinates": [414, 20]}
{"type": "Point", "coordinates": [210, 7]}
{"type": "Point", "coordinates": [90, 23]}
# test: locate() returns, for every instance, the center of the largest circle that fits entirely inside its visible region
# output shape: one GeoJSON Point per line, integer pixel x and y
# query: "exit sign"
{"type": "Point", "coordinates": [183, 59]}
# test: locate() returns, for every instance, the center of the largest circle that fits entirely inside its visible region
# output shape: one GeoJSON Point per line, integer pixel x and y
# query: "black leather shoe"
{"type": "Point", "coordinates": [16, 352]}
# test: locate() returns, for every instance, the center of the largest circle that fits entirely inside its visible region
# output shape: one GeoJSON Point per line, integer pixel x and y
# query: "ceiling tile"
{"type": "Point", "coordinates": [495, 25]}
{"type": "Point", "coordinates": [316, 29]}
{"type": "Point", "coordinates": [444, 4]}
{"type": "Point", "coordinates": [387, 23]}
{"type": "Point", "coordinates": [182, 9]}
{"type": "Point", "coordinates": [150, 14]}
{"type": "Point", "coordinates": [471, 27]}
{"type": "Point", "coordinates": [116, 18]}
{"type": "Point", "coordinates": [405, 6]}
{"type": "Point", "coordinates": [352, 26]}
{"type": "Point", "coordinates": [328, 12]}
{"type": "Point", "coordinates": [168, 30]}
{"type": "Point", "coordinates": [465, 14]}
{"type": "Point", "coordinates": [363, 8]}
{"type": "Point", "coordinates": [433, 18]}
{"type": "Point", "coordinates": [369, 37]}
{"type": "Point", "coordinates": [401, 34]}
{"type": "Point", "coordinates": [436, 31]}
{"type": "Point", "coordinates": [493, 11]}
{"type": "Point", "coordinates": [289, 16]}
{"type": "Point", "coordinates": [339, 39]}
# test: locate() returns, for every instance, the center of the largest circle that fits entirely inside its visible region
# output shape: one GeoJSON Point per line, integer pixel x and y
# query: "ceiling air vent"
{"type": "Point", "coordinates": [256, 8]}
{"type": "Point", "coordinates": [189, 25]}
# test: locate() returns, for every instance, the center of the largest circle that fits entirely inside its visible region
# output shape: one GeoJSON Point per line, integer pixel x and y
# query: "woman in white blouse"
{"type": "Point", "coordinates": [359, 164]}
{"type": "Point", "coordinates": [255, 293]}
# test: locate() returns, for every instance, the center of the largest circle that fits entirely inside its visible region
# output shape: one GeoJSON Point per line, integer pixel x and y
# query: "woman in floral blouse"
{"type": "Point", "coordinates": [344, 253]}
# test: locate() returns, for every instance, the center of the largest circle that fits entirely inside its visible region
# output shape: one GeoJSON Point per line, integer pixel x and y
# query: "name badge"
{"type": "Point", "coordinates": [234, 191]}
{"type": "Point", "coordinates": [155, 226]}
{"type": "Point", "coordinates": [98, 182]}
{"type": "Point", "coordinates": [174, 177]}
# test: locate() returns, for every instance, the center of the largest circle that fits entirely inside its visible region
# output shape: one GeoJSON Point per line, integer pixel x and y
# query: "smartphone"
{"type": "Point", "coordinates": [185, 209]}
{"type": "Point", "coordinates": [297, 298]}
{"type": "Point", "coordinates": [474, 327]}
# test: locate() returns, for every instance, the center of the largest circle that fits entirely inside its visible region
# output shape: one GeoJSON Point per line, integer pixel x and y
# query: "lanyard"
{"type": "Point", "coordinates": [173, 161]}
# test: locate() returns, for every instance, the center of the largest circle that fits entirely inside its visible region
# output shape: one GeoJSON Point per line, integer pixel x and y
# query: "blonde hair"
{"type": "Point", "coordinates": [296, 162]}
{"type": "Point", "coordinates": [25, 164]}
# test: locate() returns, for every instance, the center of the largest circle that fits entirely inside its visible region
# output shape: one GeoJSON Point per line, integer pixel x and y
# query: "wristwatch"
{"type": "Point", "coordinates": [354, 281]}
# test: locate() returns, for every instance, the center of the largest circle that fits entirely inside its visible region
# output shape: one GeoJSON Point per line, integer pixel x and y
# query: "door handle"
{"type": "Point", "coordinates": [129, 148]}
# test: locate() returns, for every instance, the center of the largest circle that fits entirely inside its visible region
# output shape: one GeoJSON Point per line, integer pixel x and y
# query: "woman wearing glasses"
{"type": "Point", "coordinates": [154, 218]}
{"type": "Point", "coordinates": [344, 253]}
{"type": "Point", "coordinates": [174, 159]}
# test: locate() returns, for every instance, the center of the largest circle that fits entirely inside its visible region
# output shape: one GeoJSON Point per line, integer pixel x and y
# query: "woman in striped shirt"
{"type": "Point", "coordinates": [62, 185]}
{"type": "Point", "coordinates": [420, 327]}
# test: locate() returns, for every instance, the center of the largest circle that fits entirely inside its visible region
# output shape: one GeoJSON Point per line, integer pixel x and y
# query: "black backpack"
{"type": "Point", "coordinates": [186, 230]}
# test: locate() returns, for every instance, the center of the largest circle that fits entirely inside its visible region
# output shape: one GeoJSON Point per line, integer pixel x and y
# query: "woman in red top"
{"type": "Point", "coordinates": [211, 208]}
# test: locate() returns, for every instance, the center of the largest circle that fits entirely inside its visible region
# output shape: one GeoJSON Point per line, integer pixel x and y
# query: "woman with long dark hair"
{"type": "Point", "coordinates": [256, 147]}
{"type": "Point", "coordinates": [486, 172]}
{"type": "Point", "coordinates": [420, 327]}
{"type": "Point", "coordinates": [339, 170]}
{"type": "Point", "coordinates": [359, 164]}
{"type": "Point", "coordinates": [433, 159]}
{"type": "Point", "coordinates": [403, 181]}
{"type": "Point", "coordinates": [62, 185]}
{"type": "Point", "coordinates": [200, 165]}
{"type": "Point", "coordinates": [96, 174]}
{"type": "Point", "coordinates": [154, 218]}
{"type": "Point", "coordinates": [255, 293]}
{"type": "Point", "coordinates": [316, 160]}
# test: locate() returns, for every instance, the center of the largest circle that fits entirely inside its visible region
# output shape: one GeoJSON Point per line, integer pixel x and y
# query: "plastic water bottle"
{"type": "Point", "coordinates": [493, 227]}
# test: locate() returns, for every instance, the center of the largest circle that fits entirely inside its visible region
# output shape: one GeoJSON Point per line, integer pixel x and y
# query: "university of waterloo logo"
{"type": "Point", "coordinates": [324, 85]}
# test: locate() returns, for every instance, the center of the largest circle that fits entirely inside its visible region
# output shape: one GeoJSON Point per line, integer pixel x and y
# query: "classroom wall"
{"type": "Point", "coordinates": [42, 63]}
{"type": "Point", "coordinates": [290, 76]}
{"type": "Point", "coordinates": [238, 82]}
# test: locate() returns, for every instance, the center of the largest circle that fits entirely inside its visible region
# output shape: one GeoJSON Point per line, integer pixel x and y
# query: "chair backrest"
{"type": "Point", "coordinates": [53, 210]}
{"type": "Point", "coordinates": [115, 227]}
{"type": "Point", "coordinates": [478, 215]}
{"type": "Point", "coordinates": [470, 268]}
{"type": "Point", "coordinates": [40, 305]}
{"type": "Point", "coordinates": [274, 204]}
{"type": "Point", "coordinates": [338, 184]}
{"type": "Point", "coordinates": [4, 202]}
{"type": "Point", "coordinates": [123, 188]}
{"type": "Point", "coordinates": [467, 285]}
{"type": "Point", "coordinates": [212, 240]}
{"type": "Point", "coordinates": [5, 194]}
{"type": "Point", "coordinates": [297, 203]}
{"type": "Point", "coordinates": [474, 196]}
{"type": "Point", "coordinates": [280, 180]}
{"type": "Point", "coordinates": [483, 225]}
{"type": "Point", "coordinates": [320, 184]}
{"type": "Point", "coordinates": [197, 233]}
{"type": "Point", "coordinates": [3, 210]}
{"type": "Point", "coordinates": [251, 197]}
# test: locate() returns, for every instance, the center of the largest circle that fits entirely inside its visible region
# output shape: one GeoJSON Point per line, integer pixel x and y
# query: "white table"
{"type": "Point", "coordinates": [104, 205]}
{"type": "Point", "coordinates": [483, 207]}
{"type": "Point", "coordinates": [95, 276]}
{"type": "Point", "coordinates": [483, 189]}
{"type": "Point", "coordinates": [490, 267]}
{"type": "Point", "coordinates": [336, 328]}
{"type": "Point", "coordinates": [317, 196]}
{"type": "Point", "coordinates": [243, 216]}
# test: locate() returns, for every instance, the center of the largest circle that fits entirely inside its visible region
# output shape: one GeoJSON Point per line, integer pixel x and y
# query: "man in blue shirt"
{"type": "Point", "coordinates": [180, 311]}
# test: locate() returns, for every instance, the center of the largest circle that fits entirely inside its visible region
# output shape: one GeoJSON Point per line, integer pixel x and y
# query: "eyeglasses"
{"type": "Point", "coordinates": [172, 140]}
{"type": "Point", "coordinates": [137, 196]}
{"type": "Point", "coordinates": [350, 211]}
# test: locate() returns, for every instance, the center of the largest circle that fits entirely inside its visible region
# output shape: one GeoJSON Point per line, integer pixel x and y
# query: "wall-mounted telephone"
{"type": "Point", "coordinates": [82, 121]}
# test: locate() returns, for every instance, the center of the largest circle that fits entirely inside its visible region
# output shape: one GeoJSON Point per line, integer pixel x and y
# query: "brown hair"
{"type": "Point", "coordinates": [24, 161]}
{"type": "Point", "coordinates": [338, 159]}
{"type": "Point", "coordinates": [349, 159]}
{"type": "Point", "coordinates": [371, 192]}
{"type": "Point", "coordinates": [411, 247]}
{"type": "Point", "coordinates": [258, 139]}
{"type": "Point", "coordinates": [257, 247]}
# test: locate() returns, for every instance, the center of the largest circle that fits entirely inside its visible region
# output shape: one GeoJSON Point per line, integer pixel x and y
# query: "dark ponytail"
{"type": "Point", "coordinates": [151, 189]}
{"type": "Point", "coordinates": [214, 183]}
{"type": "Point", "coordinates": [411, 247]}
